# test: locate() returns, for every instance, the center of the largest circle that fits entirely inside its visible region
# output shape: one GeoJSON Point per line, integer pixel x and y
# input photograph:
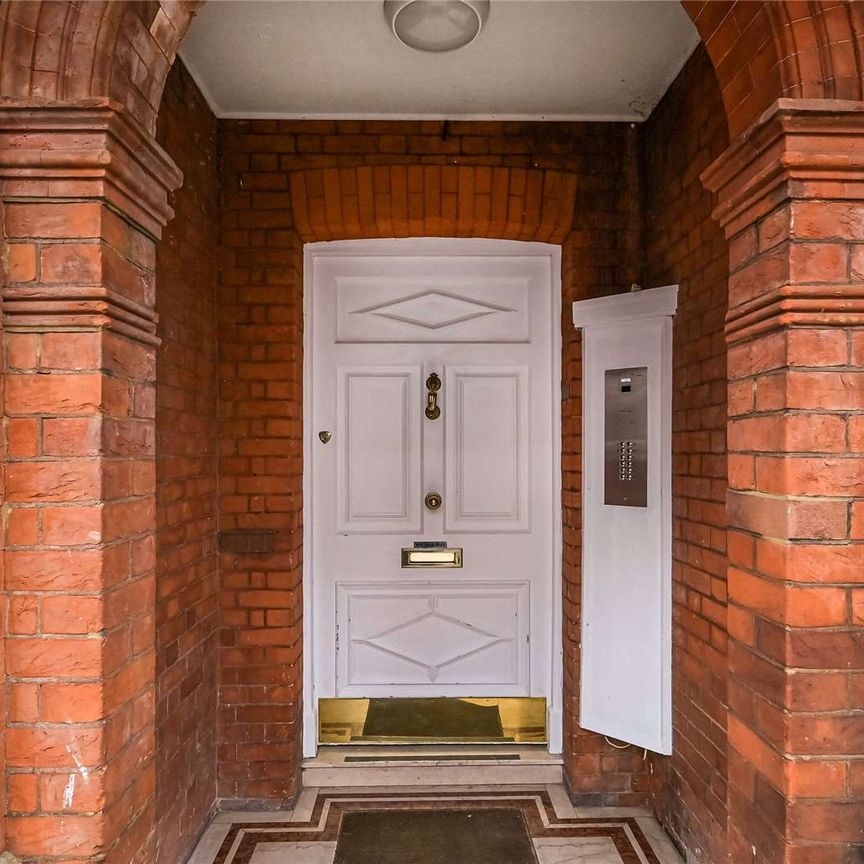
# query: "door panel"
{"type": "Point", "coordinates": [488, 449]}
{"type": "Point", "coordinates": [379, 450]}
{"type": "Point", "coordinates": [428, 637]}
{"type": "Point", "coordinates": [491, 307]}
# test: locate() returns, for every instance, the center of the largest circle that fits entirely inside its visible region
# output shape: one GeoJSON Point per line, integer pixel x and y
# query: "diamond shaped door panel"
{"type": "Point", "coordinates": [378, 475]}
{"type": "Point", "coordinates": [382, 309]}
{"type": "Point", "coordinates": [488, 449]}
{"type": "Point", "coordinates": [445, 638]}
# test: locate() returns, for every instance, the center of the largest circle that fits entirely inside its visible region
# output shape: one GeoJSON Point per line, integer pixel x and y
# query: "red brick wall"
{"type": "Point", "coordinates": [260, 300]}
{"type": "Point", "coordinates": [261, 476]}
{"type": "Point", "coordinates": [600, 257]}
{"type": "Point", "coordinates": [683, 244]}
{"type": "Point", "coordinates": [4, 265]}
{"type": "Point", "coordinates": [186, 483]}
{"type": "Point", "coordinates": [79, 555]}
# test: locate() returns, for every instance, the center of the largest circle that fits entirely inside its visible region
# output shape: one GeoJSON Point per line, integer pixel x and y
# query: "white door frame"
{"type": "Point", "coordinates": [451, 247]}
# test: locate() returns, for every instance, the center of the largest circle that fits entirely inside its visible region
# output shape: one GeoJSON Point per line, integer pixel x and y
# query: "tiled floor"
{"type": "Point", "coordinates": [560, 834]}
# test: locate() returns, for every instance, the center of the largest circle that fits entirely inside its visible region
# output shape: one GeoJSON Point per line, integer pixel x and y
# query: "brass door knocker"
{"type": "Point", "coordinates": [433, 385]}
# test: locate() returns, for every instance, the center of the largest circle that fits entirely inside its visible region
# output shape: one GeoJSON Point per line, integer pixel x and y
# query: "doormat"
{"type": "Point", "coordinates": [394, 825]}
{"type": "Point", "coordinates": [432, 718]}
{"type": "Point", "coordinates": [434, 837]}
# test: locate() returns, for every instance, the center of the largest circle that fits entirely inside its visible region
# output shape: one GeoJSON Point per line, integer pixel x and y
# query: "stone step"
{"type": "Point", "coordinates": [430, 766]}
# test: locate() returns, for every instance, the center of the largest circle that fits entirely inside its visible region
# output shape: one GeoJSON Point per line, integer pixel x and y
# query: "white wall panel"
{"type": "Point", "coordinates": [626, 662]}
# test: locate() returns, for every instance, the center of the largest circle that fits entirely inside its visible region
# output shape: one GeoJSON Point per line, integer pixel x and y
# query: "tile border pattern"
{"type": "Point", "coordinates": [541, 819]}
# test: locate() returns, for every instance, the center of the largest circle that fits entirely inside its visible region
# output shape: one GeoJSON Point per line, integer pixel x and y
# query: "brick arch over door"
{"type": "Point", "coordinates": [432, 201]}
{"type": "Point", "coordinates": [58, 50]}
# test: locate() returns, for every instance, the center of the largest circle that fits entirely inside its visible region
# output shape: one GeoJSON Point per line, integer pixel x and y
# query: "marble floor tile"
{"type": "Point", "coordinates": [294, 853]}
{"type": "Point", "coordinates": [561, 801]}
{"type": "Point", "coordinates": [303, 807]}
{"type": "Point", "coordinates": [572, 850]}
{"type": "Point", "coordinates": [659, 840]}
{"type": "Point", "coordinates": [308, 834]}
{"type": "Point", "coordinates": [211, 840]}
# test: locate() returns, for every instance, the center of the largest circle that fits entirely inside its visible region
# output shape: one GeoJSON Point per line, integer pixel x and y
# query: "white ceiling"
{"type": "Point", "coordinates": [535, 59]}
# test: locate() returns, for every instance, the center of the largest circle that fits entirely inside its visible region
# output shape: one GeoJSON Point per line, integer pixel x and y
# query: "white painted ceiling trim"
{"type": "Point", "coordinates": [548, 60]}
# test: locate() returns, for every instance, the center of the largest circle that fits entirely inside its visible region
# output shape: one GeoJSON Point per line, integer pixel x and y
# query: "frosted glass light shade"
{"type": "Point", "coordinates": [436, 25]}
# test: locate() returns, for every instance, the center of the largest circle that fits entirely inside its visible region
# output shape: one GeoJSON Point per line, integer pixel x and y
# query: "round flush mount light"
{"type": "Point", "coordinates": [436, 25]}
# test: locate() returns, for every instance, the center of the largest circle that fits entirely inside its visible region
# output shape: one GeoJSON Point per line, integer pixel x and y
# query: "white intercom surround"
{"type": "Point", "coordinates": [626, 651]}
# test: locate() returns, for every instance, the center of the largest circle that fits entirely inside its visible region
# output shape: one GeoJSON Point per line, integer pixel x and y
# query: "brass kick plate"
{"type": "Point", "coordinates": [453, 721]}
{"type": "Point", "coordinates": [432, 557]}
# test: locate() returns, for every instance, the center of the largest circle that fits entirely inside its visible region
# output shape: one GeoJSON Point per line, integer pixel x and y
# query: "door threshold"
{"type": "Point", "coordinates": [434, 752]}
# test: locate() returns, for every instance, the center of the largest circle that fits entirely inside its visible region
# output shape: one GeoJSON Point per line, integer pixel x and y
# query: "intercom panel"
{"type": "Point", "coordinates": [625, 442]}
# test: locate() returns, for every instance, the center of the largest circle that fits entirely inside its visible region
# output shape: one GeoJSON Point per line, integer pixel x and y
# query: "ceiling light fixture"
{"type": "Point", "coordinates": [436, 25]}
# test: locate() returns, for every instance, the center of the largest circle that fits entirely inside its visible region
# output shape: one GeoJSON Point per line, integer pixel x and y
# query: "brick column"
{"type": "Point", "coordinates": [84, 190]}
{"type": "Point", "coordinates": [791, 199]}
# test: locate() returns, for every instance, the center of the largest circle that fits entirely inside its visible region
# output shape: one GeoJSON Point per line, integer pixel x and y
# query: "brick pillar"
{"type": "Point", "coordinates": [791, 199]}
{"type": "Point", "coordinates": [85, 195]}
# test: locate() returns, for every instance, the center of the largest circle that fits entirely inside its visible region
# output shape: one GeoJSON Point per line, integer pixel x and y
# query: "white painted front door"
{"type": "Point", "coordinates": [382, 316]}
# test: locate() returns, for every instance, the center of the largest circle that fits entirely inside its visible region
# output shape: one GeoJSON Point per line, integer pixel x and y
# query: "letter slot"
{"type": "Point", "coordinates": [626, 437]}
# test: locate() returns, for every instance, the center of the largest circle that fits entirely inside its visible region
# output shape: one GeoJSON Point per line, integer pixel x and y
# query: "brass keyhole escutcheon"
{"type": "Point", "coordinates": [433, 501]}
{"type": "Point", "coordinates": [433, 385]}
{"type": "Point", "coordinates": [324, 436]}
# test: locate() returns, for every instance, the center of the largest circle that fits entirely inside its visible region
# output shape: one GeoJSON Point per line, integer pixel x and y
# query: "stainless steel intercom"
{"type": "Point", "coordinates": [626, 437]}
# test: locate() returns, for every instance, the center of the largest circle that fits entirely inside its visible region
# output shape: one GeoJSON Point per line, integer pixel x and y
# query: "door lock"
{"type": "Point", "coordinates": [324, 436]}
{"type": "Point", "coordinates": [433, 501]}
{"type": "Point", "coordinates": [433, 385]}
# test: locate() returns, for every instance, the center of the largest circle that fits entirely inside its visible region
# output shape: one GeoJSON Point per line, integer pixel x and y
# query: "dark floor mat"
{"type": "Point", "coordinates": [434, 837]}
{"type": "Point", "coordinates": [431, 718]}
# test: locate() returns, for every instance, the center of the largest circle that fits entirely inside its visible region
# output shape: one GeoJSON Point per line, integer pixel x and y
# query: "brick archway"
{"type": "Point", "coordinates": [60, 60]}
{"type": "Point", "coordinates": [766, 51]}
{"type": "Point", "coordinates": [60, 51]}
